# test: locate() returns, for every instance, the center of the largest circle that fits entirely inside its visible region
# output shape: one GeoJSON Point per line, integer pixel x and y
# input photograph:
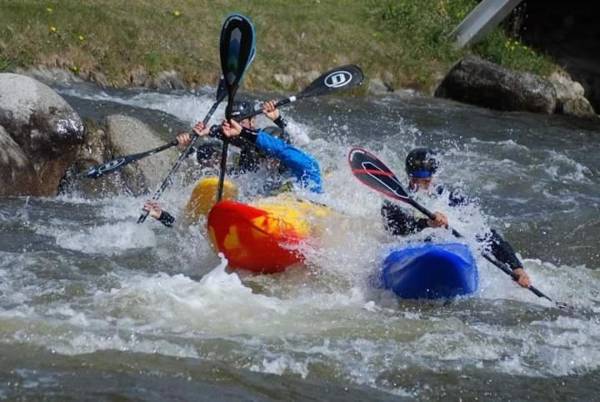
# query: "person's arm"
{"type": "Point", "coordinates": [157, 213]}
{"type": "Point", "coordinates": [398, 222]}
{"type": "Point", "coordinates": [504, 252]}
{"type": "Point", "coordinates": [271, 111]}
{"type": "Point", "coordinates": [184, 139]}
{"type": "Point", "coordinates": [304, 167]}
{"type": "Point", "coordinates": [217, 132]}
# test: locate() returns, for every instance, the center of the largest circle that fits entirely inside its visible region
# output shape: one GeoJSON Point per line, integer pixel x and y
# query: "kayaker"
{"type": "Point", "coordinates": [269, 148]}
{"type": "Point", "coordinates": [259, 148]}
{"type": "Point", "coordinates": [421, 166]}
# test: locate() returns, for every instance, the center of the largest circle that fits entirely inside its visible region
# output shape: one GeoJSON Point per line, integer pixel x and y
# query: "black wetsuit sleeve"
{"type": "Point", "coordinates": [280, 122]}
{"type": "Point", "coordinates": [249, 135]}
{"type": "Point", "coordinates": [398, 222]}
{"type": "Point", "coordinates": [503, 251]}
{"type": "Point", "coordinates": [166, 219]}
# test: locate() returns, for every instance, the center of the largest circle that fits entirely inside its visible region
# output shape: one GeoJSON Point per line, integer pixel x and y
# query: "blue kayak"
{"type": "Point", "coordinates": [430, 271]}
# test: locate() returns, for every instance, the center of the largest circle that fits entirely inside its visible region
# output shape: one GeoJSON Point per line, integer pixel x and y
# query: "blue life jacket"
{"type": "Point", "coordinates": [301, 165]}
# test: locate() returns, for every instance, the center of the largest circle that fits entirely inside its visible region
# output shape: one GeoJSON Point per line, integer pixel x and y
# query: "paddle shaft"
{"type": "Point", "coordinates": [179, 160]}
{"type": "Point", "coordinates": [222, 167]}
{"type": "Point", "coordinates": [348, 76]}
{"type": "Point", "coordinates": [279, 103]}
{"type": "Point", "coordinates": [115, 164]}
{"type": "Point", "coordinates": [506, 269]}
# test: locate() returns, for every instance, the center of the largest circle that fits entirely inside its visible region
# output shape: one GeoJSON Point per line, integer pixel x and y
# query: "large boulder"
{"type": "Point", "coordinates": [479, 82]}
{"type": "Point", "coordinates": [40, 136]}
{"type": "Point", "coordinates": [127, 135]}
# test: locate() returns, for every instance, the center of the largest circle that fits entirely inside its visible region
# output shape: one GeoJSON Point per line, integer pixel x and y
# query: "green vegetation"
{"type": "Point", "coordinates": [403, 40]}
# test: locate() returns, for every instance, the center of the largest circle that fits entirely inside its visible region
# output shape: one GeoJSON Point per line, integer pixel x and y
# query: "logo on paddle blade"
{"type": "Point", "coordinates": [338, 79]}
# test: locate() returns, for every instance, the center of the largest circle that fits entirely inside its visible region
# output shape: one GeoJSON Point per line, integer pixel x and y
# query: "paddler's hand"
{"type": "Point", "coordinates": [231, 128]}
{"type": "Point", "coordinates": [439, 221]}
{"type": "Point", "coordinates": [183, 140]}
{"type": "Point", "coordinates": [153, 208]}
{"type": "Point", "coordinates": [270, 110]}
{"type": "Point", "coordinates": [522, 277]}
{"type": "Point", "coordinates": [201, 129]}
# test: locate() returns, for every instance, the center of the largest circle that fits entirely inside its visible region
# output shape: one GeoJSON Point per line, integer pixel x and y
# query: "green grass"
{"type": "Point", "coordinates": [407, 38]}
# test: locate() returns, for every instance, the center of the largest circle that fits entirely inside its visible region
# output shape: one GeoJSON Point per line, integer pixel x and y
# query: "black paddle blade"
{"type": "Point", "coordinates": [344, 77]}
{"type": "Point", "coordinates": [237, 49]}
{"type": "Point", "coordinates": [375, 174]}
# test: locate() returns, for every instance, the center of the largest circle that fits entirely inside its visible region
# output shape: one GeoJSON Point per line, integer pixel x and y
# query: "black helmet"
{"type": "Point", "coordinates": [241, 108]}
{"type": "Point", "coordinates": [421, 163]}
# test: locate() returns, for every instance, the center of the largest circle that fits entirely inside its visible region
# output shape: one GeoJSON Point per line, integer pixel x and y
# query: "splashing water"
{"type": "Point", "coordinates": [81, 282]}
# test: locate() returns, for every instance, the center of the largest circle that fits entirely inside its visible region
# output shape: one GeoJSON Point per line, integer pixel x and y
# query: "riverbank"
{"type": "Point", "coordinates": [173, 44]}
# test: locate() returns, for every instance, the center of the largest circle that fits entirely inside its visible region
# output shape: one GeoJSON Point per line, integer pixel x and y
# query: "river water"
{"type": "Point", "coordinates": [96, 307]}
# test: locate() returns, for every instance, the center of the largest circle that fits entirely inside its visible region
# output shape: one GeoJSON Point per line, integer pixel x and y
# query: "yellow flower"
{"type": "Point", "coordinates": [81, 38]}
{"type": "Point", "coordinates": [177, 13]}
{"type": "Point", "coordinates": [49, 9]}
{"type": "Point", "coordinates": [53, 29]}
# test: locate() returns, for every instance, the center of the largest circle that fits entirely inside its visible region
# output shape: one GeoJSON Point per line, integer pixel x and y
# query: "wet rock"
{"type": "Point", "coordinates": [579, 107]}
{"type": "Point", "coordinates": [18, 175]}
{"type": "Point", "coordinates": [99, 78]}
{"type": "Point", "coordinates": [94, 151]}
{"type": "Point", "coordinates": [285, 80]}
{"type": "Point", "coordinates": [301, 78]}
{"type": "Point", "coordinates": [570, 96]}
{"type": "Point", "coordinates": [482, 83]}
{"type": "Point", "coordinates": [139, 77]}
{"type": "Point", "coordinates": [378, 87]}
{"type": "Point", "coordinates": [312, 75]}
{"type": "Point", "coordinates": [127, 135]}
{"type": "Point", "coordinates": [40, 126]}
{"type": "Point", "coordinates": [50, 75]}
{"type": "Point", "coordinates": [388, 80]}
{"type": "Point", "coordinates": [168, 80]}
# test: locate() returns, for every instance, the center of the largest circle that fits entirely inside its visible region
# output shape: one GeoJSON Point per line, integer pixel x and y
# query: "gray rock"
{"type": "Point", "coordinates": [578, 107]}
{"type": "Point", "coordinates": [570, 96]}
{"type": "Point", "coordinates": [46, 130]}
{"type": "Point", "coordinates": [312, 75]}
{"type": "Point", "coordinates": [377, 87]}
{"type": "Point", "coordinates": [482, 83]}
{"type": "Point", "coordinates": [18, 175]}
{"type": "Point", "coordinates": [50, 75]}
{"type": "Point", "coordinates": [285, 80]}
{"type": "Point", "coordinates": [168, 80]}
{"type": "Point", "coordinates": [139, 77]}
{"type": "Point", "coordinates": [127, 135]}
{"type": "Point", "coordinates": [99, 78]}
{"type": "Point", "coordinates": [94, 151]}
{"type": "Point", "coordinates": [388, 80]}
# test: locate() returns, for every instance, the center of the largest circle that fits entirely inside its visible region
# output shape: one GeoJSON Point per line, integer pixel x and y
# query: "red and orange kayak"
{"type": "Point", "coordinates": [264, 236]}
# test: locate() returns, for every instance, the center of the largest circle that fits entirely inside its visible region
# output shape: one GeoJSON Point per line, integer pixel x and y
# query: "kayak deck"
{"type": "Point", "coordinates": [264, 237]}
{"type": "Point", "coordinates": [430, 271]}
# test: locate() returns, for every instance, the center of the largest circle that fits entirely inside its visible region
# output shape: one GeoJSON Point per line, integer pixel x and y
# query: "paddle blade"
{"type": "Point", "coordinates": [344, 77]}
{"type": "Point", "coordinates": [237, 50]}
{"type": "Point", "coordinates": [375, 174]}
